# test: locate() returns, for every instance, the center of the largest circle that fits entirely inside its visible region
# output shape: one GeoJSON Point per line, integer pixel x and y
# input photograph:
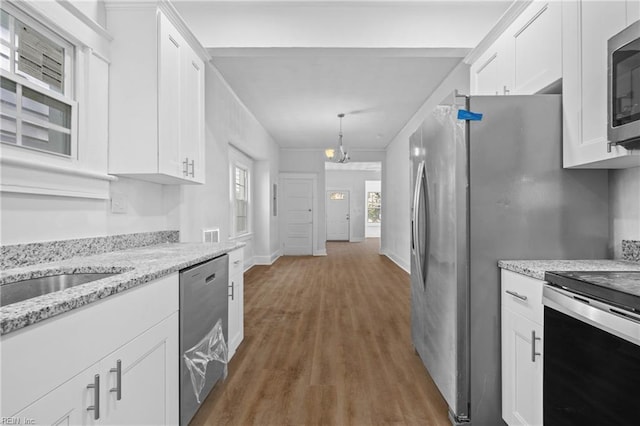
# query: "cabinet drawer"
{"type": "Point", "coordinates": [522, 295]}
{"type": "Point", "coordinates": [236, 262]}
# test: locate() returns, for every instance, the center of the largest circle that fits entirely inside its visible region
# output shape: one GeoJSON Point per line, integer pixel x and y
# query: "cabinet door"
{"type": "Point", "coordinates": [236, 312]}
{"type": "Point", "coordinates": [236, 300]}
{"type": "Point", "coordinates": [67, 404]}
{"type": "Point", "coordinates": [586, 27]}
{"type": "Point", "coordinates": [192, 109]}
{"type": "Point", "coordinates": [538, 48]}
{"type": "Point", "coordinates": [521, 370]}
{"type": "Point", "coordinates": [170, 47]}
{"type": "Point", "coordinates": [492, 73]}
{"type": "Point", "coordinates": [633, 11]}
{"type": "Point", "coordinates": [148, 378]}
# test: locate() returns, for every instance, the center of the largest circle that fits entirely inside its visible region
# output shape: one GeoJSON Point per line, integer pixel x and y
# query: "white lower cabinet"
{"type": "Point", "coordinates": [148, 382]}
{"type": "Point", "coordinates": [134, 385]}
{"type": "Point", "coordinates": [111, 362]}
{"type": "Point", "coordinates": [522, 349]}
{"type": "Point", "coordinates": [236, 301]}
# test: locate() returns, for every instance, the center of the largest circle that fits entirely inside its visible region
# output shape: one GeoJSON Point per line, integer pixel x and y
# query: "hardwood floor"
{"type": "Point", "coordinates": [327, 341]}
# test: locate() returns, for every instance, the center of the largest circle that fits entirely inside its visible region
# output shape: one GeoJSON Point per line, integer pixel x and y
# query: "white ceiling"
{"type": "Point", "coordinates": [297, 64]}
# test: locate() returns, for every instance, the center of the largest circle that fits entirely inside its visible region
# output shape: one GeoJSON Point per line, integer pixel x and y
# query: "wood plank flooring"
{"type": "Point", "coordinates": [327, 342]}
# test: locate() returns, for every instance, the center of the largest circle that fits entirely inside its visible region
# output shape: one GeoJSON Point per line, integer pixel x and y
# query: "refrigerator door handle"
{"type": "Point", "coordinates": [414, 222]}
{"type": "Point", "coordinates": [427, 231]}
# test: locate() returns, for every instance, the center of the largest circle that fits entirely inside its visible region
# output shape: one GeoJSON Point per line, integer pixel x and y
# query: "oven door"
{"type": "Point", "coordinates": [591, 361]}
{"type": "Point", "coordinates": [624, 86]}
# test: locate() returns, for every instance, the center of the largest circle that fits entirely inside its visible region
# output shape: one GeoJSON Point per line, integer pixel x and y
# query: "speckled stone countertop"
{"type": "Point", "coordinates": [135, 267]}
{"type": "Point", "coordinates": [537, 268]}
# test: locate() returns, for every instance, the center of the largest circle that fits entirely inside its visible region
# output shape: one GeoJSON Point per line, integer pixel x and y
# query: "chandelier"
{"type": "Point", "coordinates": [338, 155]}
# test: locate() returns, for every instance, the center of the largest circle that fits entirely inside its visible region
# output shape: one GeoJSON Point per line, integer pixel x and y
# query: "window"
{"type": "Point", "coordinates": [241, 198]}
{"type": "Point", "coordinates": [240, 171]}
{"type": "Point", "coordinates": [36, 108]}
{"type": "Point", "coordinates": [373, 207]}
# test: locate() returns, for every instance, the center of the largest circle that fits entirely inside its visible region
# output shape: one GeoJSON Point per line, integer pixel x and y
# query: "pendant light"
{"type": "Point", "coordinates": [342, 155]}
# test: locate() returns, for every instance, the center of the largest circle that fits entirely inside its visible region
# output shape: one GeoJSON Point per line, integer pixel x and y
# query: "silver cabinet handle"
{"type": "Point", "coordinates": [514, 294]}
{"type": "Point", "coordinates": [505, 91]}
{"type": "Point", "coordinates": [96, 397]}
{"type": "Point", "coordinates": [192, 164]}
{"type": "Point", "coordinates": [118, 388]}
{"type": "Point", "coordinates": [533, 346]}
{"type": "Point", "coordinates": [185, 167]}
{"type": "Point", "coordinates": [232, 287]}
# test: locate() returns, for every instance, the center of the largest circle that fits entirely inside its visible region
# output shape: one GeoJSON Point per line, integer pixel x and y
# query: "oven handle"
{"type": "Point", "coordinates": [623, 324]}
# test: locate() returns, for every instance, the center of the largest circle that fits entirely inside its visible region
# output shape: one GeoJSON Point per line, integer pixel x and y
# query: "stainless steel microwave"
{"type": "Point", "coordinates": [624, 87]}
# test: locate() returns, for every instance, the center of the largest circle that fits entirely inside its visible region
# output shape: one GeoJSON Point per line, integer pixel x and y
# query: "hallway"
{"type": "Point", "coordinates": [327, 341]}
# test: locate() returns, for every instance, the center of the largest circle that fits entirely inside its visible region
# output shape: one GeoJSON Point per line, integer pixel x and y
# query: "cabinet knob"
{"type": "Point", "coordinates": [232, 287]}
{"type": "Point", "coordinates": [96, 397]}
{"type": "Point", "coordinates": [185, 167]}
{"type": "Point", "coordinates": [533, 346]}
{"type": "Point", "coordinates": [514, 294]}
{"type": "Point", "coordinates": [118, 388]}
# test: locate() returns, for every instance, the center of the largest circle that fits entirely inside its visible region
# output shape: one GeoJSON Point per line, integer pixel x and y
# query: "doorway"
{"type": "Point", "coordinates": [373, 200]}
{"type": "Point", "coordinates": [338, 217]}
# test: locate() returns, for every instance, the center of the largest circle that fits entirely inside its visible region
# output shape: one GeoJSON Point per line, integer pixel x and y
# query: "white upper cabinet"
{"type": "Point", "coordinates": [526, 58]}
{"type": "Point", "coordinates": [586, 27]}
{"type": "Point", "coordinates": [538, 51]}
{"type": "Point", "coordinates": [156, 127]}
{"type": "Point", "coordinates": [492, 73]}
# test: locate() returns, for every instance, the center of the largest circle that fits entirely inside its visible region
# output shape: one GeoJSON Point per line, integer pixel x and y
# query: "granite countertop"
{"type": "Point", "coordinates": [537, 268]}
{"type": "Point", "coordinates": [134, 267]}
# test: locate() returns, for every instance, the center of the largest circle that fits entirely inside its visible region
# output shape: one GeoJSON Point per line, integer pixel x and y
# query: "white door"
{"type": "Point", "coordinates": [338, 215]}
{"type": "Point", "coordinates": [297, 204]}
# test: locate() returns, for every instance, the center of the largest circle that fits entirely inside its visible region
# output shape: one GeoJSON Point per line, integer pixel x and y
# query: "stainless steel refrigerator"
{"type": "Point", "coordinates": [483, 191]}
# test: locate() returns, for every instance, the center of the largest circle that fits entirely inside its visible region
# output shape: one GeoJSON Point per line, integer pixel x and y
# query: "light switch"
{"type": "Point", "coordinates": [118, 203]}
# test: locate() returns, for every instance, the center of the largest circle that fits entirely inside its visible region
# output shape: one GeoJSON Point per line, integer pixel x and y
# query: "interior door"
{"type": "Point", "coordinates": [338, 215]}
{"type": "Point", "coordinates": [297, 211]}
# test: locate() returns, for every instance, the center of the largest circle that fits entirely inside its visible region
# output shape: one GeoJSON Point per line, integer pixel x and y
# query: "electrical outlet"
{"type": "Point", "coordinates": [119, 203]}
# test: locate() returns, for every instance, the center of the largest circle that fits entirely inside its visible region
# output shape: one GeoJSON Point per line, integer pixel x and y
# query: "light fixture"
{"type": "Point", "coordinates": [342, 155]}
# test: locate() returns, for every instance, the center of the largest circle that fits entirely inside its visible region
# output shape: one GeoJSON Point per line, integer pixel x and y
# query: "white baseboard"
{"type": "Point", "coordinates": [356, 240]}
{"type": "Point", "coordinates": [395, 259]}
{"type": "Point", "coordinates": [267, 260]}
{"type": "Point", "coordinates": [262, 260]}
{"type": "Point", "coordinates": [322, 252]}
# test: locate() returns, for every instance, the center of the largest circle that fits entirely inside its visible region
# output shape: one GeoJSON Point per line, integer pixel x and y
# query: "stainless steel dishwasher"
{"type": "Point", "coordinates": [203, 301]}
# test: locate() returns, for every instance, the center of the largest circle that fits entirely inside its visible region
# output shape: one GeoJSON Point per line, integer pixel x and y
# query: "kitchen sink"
{"type": "Point", "coordinates": [26, 289]}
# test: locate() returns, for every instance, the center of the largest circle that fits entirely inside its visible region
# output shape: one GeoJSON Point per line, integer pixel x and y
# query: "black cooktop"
{"type": "Point", "coordinates": [621, 288]}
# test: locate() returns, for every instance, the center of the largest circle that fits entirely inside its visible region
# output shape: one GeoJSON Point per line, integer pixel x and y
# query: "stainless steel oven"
{"type": "Point", "coordinates": [624, 87]}
{"type": "Point", "coordinates": [591, 355]}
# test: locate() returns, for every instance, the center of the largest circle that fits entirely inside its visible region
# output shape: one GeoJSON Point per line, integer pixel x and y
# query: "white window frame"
{"type": "Point", "coordinates": [23, 80]}
{"type": "Point", "coordinates": [239, 160]}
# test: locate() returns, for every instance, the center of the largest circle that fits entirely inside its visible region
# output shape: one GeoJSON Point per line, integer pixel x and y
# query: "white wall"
{"type": "Point", "coordinates": [372, 230]}
{"type": "Point", "coordinates": [208, 206]}
{"type": "Point", "coordinates": [396, 181]}
{"type": "Point", "coordinates": [312, 161]}
{"type": "Point", "coordinates": [354, 182]}
{"type": "Point", "coordinates": [624, 211]}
